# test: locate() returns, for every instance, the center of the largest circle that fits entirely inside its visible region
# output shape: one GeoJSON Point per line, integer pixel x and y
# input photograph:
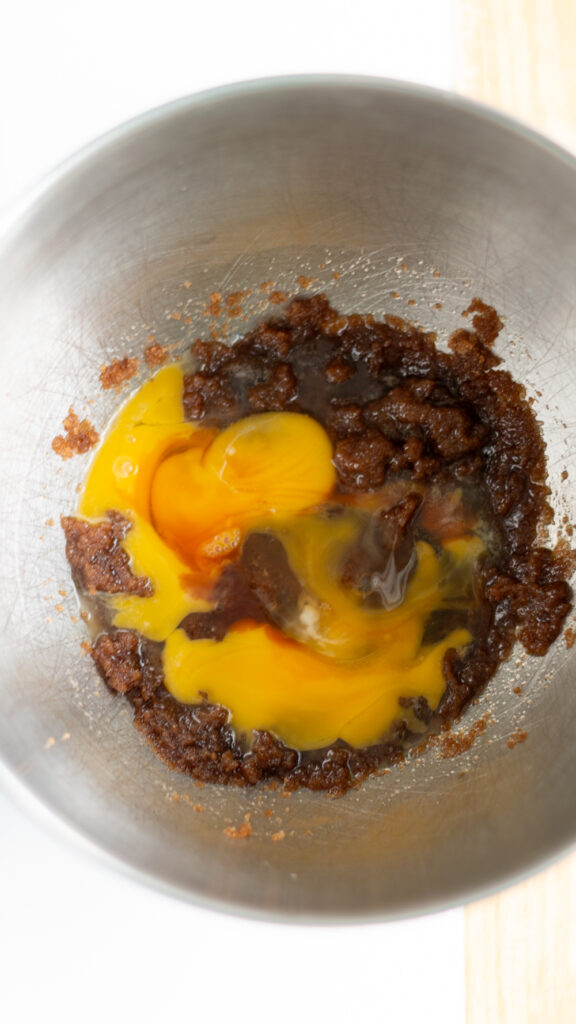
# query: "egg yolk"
{"type": "Point", "coordinates": [336, 668]}
{"type": "Point", "coordinates": [204, 501]}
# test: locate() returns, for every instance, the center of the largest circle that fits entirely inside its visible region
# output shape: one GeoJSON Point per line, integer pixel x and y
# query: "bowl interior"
{"type": "Point", "coordinates": [389, 199]}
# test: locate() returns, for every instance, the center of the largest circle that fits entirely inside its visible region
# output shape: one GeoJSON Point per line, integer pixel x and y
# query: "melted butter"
{"type": "Point", "coordinates": [338, 667]}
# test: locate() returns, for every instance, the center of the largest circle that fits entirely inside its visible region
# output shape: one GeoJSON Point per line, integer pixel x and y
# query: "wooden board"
{"type": "Point", "coordinates": [520, 56]}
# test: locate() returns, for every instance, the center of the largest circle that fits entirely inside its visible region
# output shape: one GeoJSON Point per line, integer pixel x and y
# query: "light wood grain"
{"type": "Point", "coordinates": [520, 56]}
{"type": "Point", "coordinates": [521, 952]}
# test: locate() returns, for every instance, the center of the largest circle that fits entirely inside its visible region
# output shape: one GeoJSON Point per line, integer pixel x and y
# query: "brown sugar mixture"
{"type": "Point", "coordinates": [399, 542]}
{"type": "Point", "coordinates": [79, 438]}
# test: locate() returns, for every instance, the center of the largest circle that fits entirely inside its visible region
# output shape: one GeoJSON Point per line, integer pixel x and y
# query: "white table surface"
{"type": "Point", "coordinates": [78, 940]}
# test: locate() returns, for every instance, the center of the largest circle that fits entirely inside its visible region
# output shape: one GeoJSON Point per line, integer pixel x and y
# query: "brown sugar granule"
{"type": "Point", "coordinates": [564, 474]}
{"type": "Point", "coordinates": [214, 305]}
{"type": "Point", "coordinates": [339, 370]}
{"type": "Point", "coordinates": [80, 436]}
{"type": "Point", "coordinates": [243, 832]}
{"type": "Point", "coordinates": [485, 321]}
{"type": "Point", "coordinates": [234, 302]}
{"type": "Point", "coordinates": [117, 659]}
{"type": "Point", "coordinates": [518, 736]}
{"type": "Point", "coordinates": [276, 393]}
{"type": "Point", "coordinates": [125, 661]}
{"type": "Point", "coordinates": [345, 420]}
{"type": "Point", "coordinates": [277, 836]}
{"type": "Point", "coordinates": [570, 637]}
{"type": "Point", "coordinates": [451, 744]}
{"type": "Point", "coordinates": [305, 282]}
{"type": "Point", "coordinates": [278, 298]}
{"type": "Point", "coordinates": [205, 394]}
{"type": "Point", "coordinates": [118, 372]}
{"type": "Point", "coordinates": [98, 561]}
{"type": "Point", "coordinates": [362, 462]}
{"type": "Point", "coordinates": [517, 690]}
{"type": "Point", "coordinates": [156, 355]}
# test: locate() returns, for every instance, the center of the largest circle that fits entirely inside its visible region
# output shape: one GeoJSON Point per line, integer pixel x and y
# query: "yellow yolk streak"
{"type": "Point", "coordinates": [309, 701]}
{"type": "Point", "coordinates": [191, 496]}
{"type": "Point", "coordinates": [150, 424]}
{"type": "Point", "coordinates": [343, 682]}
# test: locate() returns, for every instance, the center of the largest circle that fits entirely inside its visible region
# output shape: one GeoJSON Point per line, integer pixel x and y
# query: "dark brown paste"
{"type": "Point", "coordinates": [396, 408]}
{"type": "Point", "coordinates": [99, 564]}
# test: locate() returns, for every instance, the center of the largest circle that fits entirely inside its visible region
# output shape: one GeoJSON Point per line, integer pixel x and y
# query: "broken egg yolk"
{"type": "Point", "coordinates": [335, 667]}
{"type": "Point", "coordinates": [205, 500]}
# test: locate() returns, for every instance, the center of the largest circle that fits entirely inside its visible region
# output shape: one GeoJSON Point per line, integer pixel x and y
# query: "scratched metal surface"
{"type": "Point", "coordinates": [370, 189]}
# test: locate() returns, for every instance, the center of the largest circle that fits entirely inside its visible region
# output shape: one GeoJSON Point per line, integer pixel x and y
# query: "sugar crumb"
{"type": "Point", "coordinates": [234, 302]}
{"type": "Point", "coordinates": [518, 736]}
{"type": "Point", "coordinates": [305, 282]}
{"type": "Point", "coordinates": [214, 305]}
{"type": "Point", "coordinates": [79, 437]}
{"type": "Point", "coordinates": [116, 373]}
{"type": "Point", "coordinates": [155, 355]}
{"type": "Point", "coordinates": [243, 832]}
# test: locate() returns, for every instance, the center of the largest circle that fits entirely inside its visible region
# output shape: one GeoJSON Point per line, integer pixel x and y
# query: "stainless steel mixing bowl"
{"type": "Point", "coordinates": [392, 198]}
